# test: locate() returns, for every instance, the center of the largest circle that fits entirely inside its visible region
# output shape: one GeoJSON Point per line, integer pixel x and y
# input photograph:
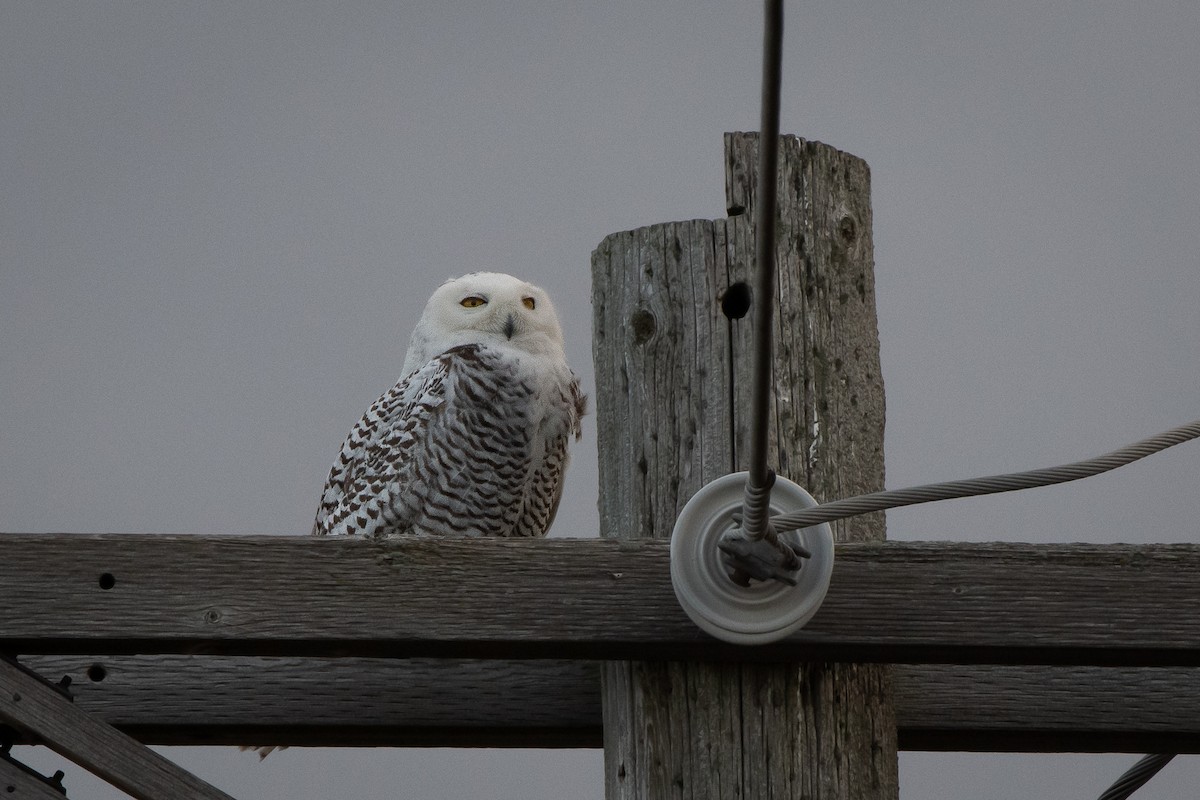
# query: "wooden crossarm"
{"type": "Point", "coordinates": [897, 602]}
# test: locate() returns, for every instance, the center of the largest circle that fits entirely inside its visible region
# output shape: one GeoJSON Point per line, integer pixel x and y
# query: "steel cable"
{"type": "Point", "coordinates": [1136, 776]}
{"type": "Point", "coordinates": [878, 501]}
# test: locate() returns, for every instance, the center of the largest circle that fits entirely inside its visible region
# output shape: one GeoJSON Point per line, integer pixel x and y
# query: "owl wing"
{"type": "Point", "coordinates": [380, 439]}
{"type": "Point", "coordinates": [546, 484]}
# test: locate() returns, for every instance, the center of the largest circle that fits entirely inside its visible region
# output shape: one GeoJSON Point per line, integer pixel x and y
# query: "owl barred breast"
{"type": "Point", "coordinates": [472, 440]}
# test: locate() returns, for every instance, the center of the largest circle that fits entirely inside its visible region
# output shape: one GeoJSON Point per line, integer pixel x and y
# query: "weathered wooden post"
{"type": "Point", "coordinates": [671, 348]}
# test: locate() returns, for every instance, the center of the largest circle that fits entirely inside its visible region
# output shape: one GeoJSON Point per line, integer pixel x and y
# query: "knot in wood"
{"type": "Point", "coordinates": [848, 230]}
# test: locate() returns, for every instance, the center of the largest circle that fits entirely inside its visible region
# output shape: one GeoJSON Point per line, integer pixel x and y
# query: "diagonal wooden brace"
{"type": "Point", "coordinates": [29, 704]}
{"type": "Point", "coordinates": [20, 782]}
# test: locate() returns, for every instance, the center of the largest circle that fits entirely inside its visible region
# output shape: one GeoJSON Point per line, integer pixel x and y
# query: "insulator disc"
{"type": "Point", "coordinates": [765, 611]}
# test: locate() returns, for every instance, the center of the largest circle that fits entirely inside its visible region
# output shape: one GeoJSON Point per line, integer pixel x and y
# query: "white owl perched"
{"type": "Point", "coordinates": [472, 440]}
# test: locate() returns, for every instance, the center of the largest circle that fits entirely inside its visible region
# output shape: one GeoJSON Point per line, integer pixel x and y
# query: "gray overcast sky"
{"type": "Point", "coordinates": [219, 221]}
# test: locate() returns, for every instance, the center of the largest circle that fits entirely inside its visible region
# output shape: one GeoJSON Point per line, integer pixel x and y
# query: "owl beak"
{"type": "Point", "coordinates": [510, 326]}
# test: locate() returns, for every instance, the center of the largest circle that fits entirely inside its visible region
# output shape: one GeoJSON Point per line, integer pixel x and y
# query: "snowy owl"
{"type": "Point", "coordinates": [472, 440]}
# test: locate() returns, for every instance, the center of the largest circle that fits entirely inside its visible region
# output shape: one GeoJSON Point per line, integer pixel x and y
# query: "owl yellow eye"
{"type": "Point", "coordinates": [529, 303]}
{"type": "Point", "coordinates": [472, 301]}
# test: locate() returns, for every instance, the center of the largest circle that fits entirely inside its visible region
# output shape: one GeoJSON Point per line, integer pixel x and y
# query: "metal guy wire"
{"type": "Point", "coordinates": [757, 497]}
{"type": "Point", "coordinates": [1136, 776]}
{"type": "Point", "coordinates": [994, 484]}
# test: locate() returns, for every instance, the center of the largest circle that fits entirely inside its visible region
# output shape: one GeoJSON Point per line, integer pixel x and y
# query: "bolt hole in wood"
{"type": "Point", "coordinates": [107, 581]}
{"type": "Point", "coordinates": [97, 673]}
{"type": "Point", "coordinates": [735, 303]}
{"type": "Point", "coordinates": [643, 325]}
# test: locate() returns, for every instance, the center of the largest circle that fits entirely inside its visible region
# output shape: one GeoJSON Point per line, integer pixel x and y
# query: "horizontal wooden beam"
{"type": "Point", "coordinates": [899, 602]}
{"type": "Point", "coordinates": [1056, 709]}
{"type": "Point", "coordinates": [205, 700]}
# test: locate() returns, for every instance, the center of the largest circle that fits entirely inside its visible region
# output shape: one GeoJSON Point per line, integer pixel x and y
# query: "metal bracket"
{"type": "Point", "coordinates": [20, 780]}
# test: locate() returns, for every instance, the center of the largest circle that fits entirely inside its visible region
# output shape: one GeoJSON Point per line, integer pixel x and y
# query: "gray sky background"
{"type": "Point", "coordinates": [219, 221]}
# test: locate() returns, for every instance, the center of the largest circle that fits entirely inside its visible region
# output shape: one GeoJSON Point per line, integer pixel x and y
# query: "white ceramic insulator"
{"type": "Point", "coordinates": [763, 612]}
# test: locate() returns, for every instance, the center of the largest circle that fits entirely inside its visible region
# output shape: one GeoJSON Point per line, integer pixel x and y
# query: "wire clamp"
{"type": "Point", "coordinates": [741, 590]}
{"type": "Point", "coordinates": [754, 550]}
{"type": "Point", "coordinates": [769, 558]}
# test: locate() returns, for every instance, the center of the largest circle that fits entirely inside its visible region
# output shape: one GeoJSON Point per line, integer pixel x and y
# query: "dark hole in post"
{"type": "Point", "coordinates": [736, 302]}
{"type": "Point", "coordinates": [107, 581]}
{"type": "Point", "coordinates": [643, 324]}
{"type": "Point", "coordinates": [97, 673]}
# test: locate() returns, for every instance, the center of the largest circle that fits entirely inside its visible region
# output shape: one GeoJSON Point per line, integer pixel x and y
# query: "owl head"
{"type": "Point", "coordinates": [486, 308]}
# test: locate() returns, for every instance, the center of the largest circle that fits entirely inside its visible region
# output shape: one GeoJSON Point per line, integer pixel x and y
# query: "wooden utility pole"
{"type": "Point", "coordinates": [671, 343]}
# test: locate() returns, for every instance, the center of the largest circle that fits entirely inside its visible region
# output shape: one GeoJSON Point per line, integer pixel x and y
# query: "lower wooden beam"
{"type": "Point", "coordinates": [338, 702]}
{"type": "Point", "coordinates": [455, 703]}
{"type": "Point", "coordinates": [1048, 709]}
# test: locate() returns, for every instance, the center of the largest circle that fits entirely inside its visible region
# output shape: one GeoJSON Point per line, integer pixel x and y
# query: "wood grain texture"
{"type": "Point", "coordinates": [893, 602]}
{"type": "Point", "coordinates": [1048, 709]}
{"type": "Point", "coordinates": [337, 702]}
{"type": "Point", "coordinates": [205, 700]}
{"type": "Point", "coordinates": [41, 711]}
{"type": "Point", "coordinates": [672, 385]}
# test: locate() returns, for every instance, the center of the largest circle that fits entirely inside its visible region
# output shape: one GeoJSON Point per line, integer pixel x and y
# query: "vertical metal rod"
{"type": "Point", "coordinates": [757, 494]}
